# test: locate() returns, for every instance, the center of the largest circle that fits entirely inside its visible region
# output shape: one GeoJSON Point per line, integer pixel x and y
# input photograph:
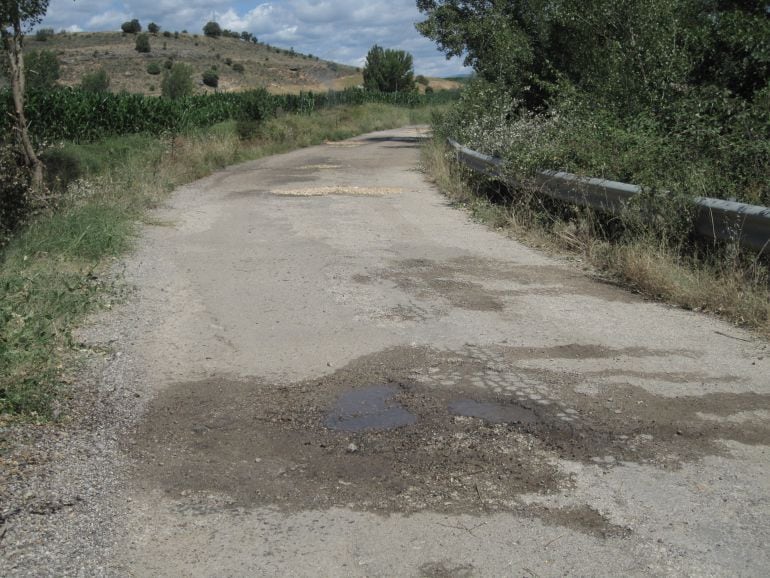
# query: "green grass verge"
{"type": "Point", "coordinates": [52, 274]}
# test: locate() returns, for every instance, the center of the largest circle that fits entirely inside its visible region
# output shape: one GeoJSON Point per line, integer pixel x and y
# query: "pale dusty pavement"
{"type": "Point", "coordinates": [269, 289]}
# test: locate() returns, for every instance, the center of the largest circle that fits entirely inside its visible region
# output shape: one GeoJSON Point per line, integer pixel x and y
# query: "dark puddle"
{"type": "Point", "coordinates": [493, 412]}
{"type": "Point", "coordinates": [371, 408]}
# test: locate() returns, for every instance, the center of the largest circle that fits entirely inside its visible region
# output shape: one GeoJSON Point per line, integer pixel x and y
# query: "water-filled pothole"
{"type": "Point", "coordinates": [370, 408]}
{"type": "Point", "coordinates": [493, 412]}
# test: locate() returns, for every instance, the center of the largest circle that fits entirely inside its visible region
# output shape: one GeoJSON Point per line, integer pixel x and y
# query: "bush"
{"type": "Point", "coordinates": [177, 82]}
{"type": "Point", "coordinates": [153, 68]}
{"type": "Point", "coordinates": [97, 81]}
{"type": "Point", "coordinates": [131, 27]}
{"type": "Point", "coordinates": [212, 29]}
{"type": "Point", "coordinates": [238, 67]}
{"type": "Point", "coordinates": [420, 79]}
{"type": "Point", "coordinates": [61, 169]}
{"type": "Point", "coordinates": [168, 64]}
{"type": "Point", "coordinates": [229, 61]}
{"type": "Point", "coordinates": [42, 70]}
{"type": "Point", "coordinates": [143, 43]}
{"type": "Point", "coordinates": [14, 190]}
{"type": "Point", "coordinates": [153, 28]}
{"type": "Point", "coordinates": [247, 129]}
{"type": "Point", "coordinates": [43, 34]}
{"type": "Point", "coordinates": [211, 78]}
{"type": "Point", "coordinates": [167, 34]}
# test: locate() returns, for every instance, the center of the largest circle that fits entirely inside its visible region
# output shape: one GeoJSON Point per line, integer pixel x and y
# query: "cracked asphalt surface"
{"type": "Point", "coordinates": [328, 370]}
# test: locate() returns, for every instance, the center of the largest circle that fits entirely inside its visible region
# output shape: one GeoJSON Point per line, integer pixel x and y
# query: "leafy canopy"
{"type": "Point", "coordinates": [27, 13]}
{"type": "Point", "coordinates": [388, 70]}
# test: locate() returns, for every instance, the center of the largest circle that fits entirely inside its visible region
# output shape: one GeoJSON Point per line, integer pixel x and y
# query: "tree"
{"type": "Point", "coordinates": [212, 29]}
{"type": "Point", "coordinates": [131, 27]}
{"type": "Point", "coordinates": [153, 28]}
{"type": "Point", "coordinates": [177, 82]}
{"type": "Point", "coordinates": [16, 17]}
{"type": "Point", "coordinates": [388, 70]}
{"type": "Point", "coordinates": [97, 81]}
{"type": "Point", "coordinates": [42, 70]}
{"type": "Point", "coordinates": [143, 43]}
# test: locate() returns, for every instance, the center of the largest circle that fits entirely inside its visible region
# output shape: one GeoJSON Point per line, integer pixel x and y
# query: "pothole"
{"type": "Point", "coordinates": [416, 444]}
{"type": "Point", "coordinates": [370, 408]}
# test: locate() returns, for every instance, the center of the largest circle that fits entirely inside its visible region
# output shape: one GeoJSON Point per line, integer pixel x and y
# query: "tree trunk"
{"type": "Point", "coordinates": [13, 46]}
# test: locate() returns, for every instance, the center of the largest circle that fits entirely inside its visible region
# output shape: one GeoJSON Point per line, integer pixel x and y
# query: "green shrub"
{"type": "Point", "coordinates": [167, 34]}
{"type": "Point", "coordinates": [153, 68]}
{"type": "Point", "coordinates": [61, 168]}
{"type": "Point", "coordinates": [229, 61]}
{"type": "Point", "coordinates": [153, 28]}
{"type": "Point", "coordinates": [14, 190]}
{"type": "Point", "coordinates": [143, 43]}
{"type": "Point", "coordinates": [238, 67]}
{"type": "Point", "coordinates": [97, 81]}
{"type": "Point", "coordinates": [42, 70]}
{"type": "Point", "coordinates": [43, 34]}
{"type": "Point", "coordinates": [168, 63]}
{"type": "Point", "coordinates": [177, 82]}
{"type": "Point", "coordinates": [247, 129]}
{"type": "Point", "coordinates": [211, 78]}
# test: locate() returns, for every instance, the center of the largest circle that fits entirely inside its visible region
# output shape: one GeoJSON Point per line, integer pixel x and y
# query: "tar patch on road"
{"type": "Point", "coordinates": [377, 436]}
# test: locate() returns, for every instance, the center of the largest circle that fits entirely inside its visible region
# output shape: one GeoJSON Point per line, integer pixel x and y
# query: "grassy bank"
{"type": "Point", "coordinates": [720, 280]}
{"type": "Point", "coordinates": [54, 272]}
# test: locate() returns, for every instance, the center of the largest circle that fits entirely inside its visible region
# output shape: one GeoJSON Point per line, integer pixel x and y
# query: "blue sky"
{"type": "Point", "coordinates": [341, 30]}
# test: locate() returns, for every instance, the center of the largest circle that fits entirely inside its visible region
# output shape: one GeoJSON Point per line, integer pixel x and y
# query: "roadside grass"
{"type": "Point", "coordinates": [56, 271]}
{"type": "Point", "coordinates": [720, 279]}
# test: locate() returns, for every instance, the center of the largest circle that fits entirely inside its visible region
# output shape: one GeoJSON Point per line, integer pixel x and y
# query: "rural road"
{"type": "Point", "coordinates": [338, 374]}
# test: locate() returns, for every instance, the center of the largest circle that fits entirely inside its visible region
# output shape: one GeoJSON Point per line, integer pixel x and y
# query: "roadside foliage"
{"type": "Point", "coordinates": [670, 94]}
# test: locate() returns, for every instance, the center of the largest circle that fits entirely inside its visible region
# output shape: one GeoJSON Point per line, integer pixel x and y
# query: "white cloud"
{"type": "Point", "coordinates": [340, 30]}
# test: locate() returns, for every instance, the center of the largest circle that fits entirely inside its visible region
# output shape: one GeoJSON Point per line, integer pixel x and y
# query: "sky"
{"type": "Point", "coordinates": [339, 30]}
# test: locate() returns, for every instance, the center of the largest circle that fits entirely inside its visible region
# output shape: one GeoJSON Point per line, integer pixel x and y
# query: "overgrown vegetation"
{"type": "Point", "coordinates": [669, 94]}
{"type": "Point", "coordinates": [54, 272]}
{"type": "Point", "coordinates": [673, 95]}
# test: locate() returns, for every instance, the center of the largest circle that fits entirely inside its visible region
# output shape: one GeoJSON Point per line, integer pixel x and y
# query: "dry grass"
{"type": "Point", "coordinates": [731, 285]}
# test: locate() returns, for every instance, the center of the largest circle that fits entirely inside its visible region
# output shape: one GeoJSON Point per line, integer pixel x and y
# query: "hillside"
{"type": "Point", "coordinates": [278, 70]}
{"type": "Point", "coordinates": [273, 68]}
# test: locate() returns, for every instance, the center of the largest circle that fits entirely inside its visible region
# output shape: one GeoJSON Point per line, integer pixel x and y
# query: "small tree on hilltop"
{"type": "Point", "coordinates": [212, 29]}
{"type": "Point", "coordinates": [177, 82]}
{"type": "Point", "coordinates": [388, 70]}
{"type": "Point", "coordinates": [143, 43]}
{"type": "Point", "coordinates": [131, 27]}
{"type": "Point", "coordinates": [153, 28]}
{"type": "Point", "coordinates": [17, 16]}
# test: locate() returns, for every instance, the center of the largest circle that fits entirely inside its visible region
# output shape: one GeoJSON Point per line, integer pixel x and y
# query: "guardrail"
{"type": "Point", "coordinates": [714, 218]}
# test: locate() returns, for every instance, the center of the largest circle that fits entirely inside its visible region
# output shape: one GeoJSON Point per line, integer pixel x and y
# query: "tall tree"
{"type": "Point", "coordinates": [388, 70]}
{"type": "Point", "coordinates": [16, 18]}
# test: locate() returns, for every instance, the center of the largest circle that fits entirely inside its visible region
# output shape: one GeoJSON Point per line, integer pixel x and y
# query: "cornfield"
{"type": "Point", "coordinates": [74, 115]}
